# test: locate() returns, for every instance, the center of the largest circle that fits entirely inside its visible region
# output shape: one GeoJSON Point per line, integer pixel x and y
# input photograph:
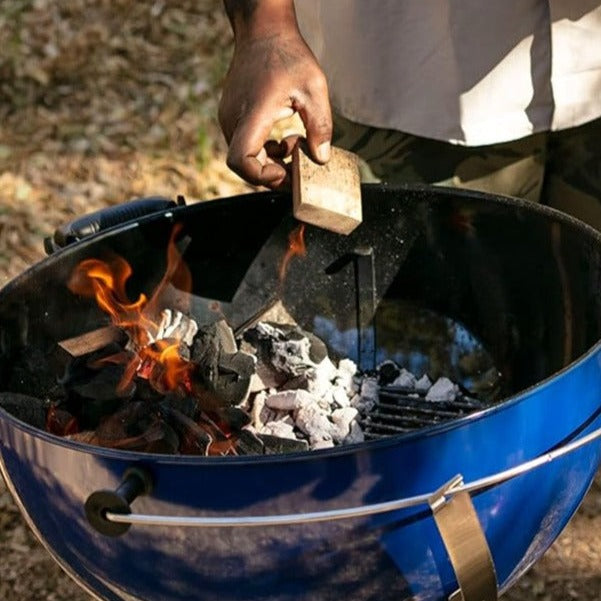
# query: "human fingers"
{"type": "Point", "coordinates": [247, 156]}
{"type": "Point", "coordinates": [316, 115]}
{"type": "Point", "coordinates": [282, 149]}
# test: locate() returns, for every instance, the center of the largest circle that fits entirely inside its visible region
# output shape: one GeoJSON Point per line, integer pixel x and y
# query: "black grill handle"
{"type": "Point", "coordinates": [136, 482]}
{"type": "Point", "coordinates": [79, 228]}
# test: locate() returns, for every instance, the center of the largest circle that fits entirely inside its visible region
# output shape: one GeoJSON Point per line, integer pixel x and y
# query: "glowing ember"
{"type": "Point", "coordinates": [296, 247]}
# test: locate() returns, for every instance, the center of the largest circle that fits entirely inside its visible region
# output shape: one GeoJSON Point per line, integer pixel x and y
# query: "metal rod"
{"type": "Point", "coordinates": [365, 299]}
{"type": "Point", "coordinates": [351, 512]}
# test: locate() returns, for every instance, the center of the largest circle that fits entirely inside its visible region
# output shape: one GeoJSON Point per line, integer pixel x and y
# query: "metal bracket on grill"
{"type": "Point", "coordinates": [464, 540]}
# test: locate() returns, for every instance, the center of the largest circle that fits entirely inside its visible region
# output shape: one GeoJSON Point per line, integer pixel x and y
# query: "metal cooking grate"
{"type": "Point", "coordinates": [400, 410]}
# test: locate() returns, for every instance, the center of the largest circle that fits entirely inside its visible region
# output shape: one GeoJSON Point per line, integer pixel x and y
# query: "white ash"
{"type": "Point", "coordinates": [405, 379]}
{"type": "Point", "coordinates": [343, 418]}
{"type": "Point", "coordinates": [355, 435]}
{"type": "Point", "coordinates": [298, 392]}
{"type": "Point", "coordinates": [289, 400]}
{"type": "Point", "coordinates": [313, 421]}
{"type": "Point", "coordinates": [346, 375]}
{"type": "Point", "coordinates": [442, 390]}
{"type": "Point", "coordinates": [322, 444]}
{"type": "Point", "coordinates": [340, 397]}
{"type": "Point", "coordinates": [173, 325]}
{"type": "Point", "coordinates": [423, 384]}
{"type": "Point", "coordinates": [368, 396]}
{"type": "Point", "coordinates": [280, 428]}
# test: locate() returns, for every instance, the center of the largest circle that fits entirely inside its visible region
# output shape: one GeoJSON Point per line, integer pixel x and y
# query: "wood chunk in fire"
{"type": "Point", "coordinates": [93, 340]}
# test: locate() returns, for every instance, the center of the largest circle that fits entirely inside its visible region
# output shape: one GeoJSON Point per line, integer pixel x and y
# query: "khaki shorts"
{"type": "Point", "coordinates": [560, 169]}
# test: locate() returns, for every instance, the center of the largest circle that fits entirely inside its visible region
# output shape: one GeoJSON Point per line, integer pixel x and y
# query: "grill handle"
{"type": "Point", "coordinates": [126, 518]}
{"type": "Point", "coordinates": [136, 482]}
{"type": "Point", "coordinates": [102, 219]}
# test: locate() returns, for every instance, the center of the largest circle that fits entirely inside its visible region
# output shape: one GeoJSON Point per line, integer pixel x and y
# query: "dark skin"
{"type": "Point", "coordinates": [273, 74]}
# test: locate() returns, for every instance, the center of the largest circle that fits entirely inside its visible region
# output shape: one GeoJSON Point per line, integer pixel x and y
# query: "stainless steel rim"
{"type": "Point", "coordinates": [351, 512]}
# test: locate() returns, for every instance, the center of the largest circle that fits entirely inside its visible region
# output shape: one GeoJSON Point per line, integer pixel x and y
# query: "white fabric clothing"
{"type": "Point", "coordinates": [471, 72]}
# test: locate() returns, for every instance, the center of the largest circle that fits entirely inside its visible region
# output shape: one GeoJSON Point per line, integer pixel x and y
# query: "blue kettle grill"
{"type": "Point", "coordinates": [457, 509]}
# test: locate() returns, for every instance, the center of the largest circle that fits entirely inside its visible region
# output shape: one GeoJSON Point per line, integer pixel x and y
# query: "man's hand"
{"type": "Point", "coordinates": [272, 75]}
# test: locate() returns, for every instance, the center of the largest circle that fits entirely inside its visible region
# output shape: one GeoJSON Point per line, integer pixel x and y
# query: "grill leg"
{"type": "Point", "coordinates": [464, 540]}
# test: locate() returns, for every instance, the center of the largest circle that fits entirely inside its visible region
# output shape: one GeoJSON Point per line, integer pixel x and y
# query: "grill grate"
{"type": "Point", "coordinates": [400, 410]}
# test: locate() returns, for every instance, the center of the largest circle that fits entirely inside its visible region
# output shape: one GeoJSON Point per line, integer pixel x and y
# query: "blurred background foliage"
{"type": "Point", "coordinates": [102, 101]}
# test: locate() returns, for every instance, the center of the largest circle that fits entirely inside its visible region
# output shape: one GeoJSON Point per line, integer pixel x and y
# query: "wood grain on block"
{"type": "Point", "coordinates": [329, 195]}
{"type": "Point", "coordinates": [91, 341]}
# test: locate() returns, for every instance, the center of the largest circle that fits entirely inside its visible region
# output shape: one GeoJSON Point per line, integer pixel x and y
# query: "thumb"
{"type": "Point", "coordinates": [317, 118]}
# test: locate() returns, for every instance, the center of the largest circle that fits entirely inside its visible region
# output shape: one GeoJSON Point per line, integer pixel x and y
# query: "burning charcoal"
{"type": "Point", "coordinates": [144, 390]}
{"type": "Point", "coordinates": [91, 377]}
{"type": "Point", "coordinates": [288, 349]}
{"type": "Point", "coordinates": [289, 400]}
{"type": "Point", "coordinates": [158, 438]}
{"type": "Point", "coordinates": [388, 371]}
{"type": "Point", "coordinates": [97, 397]}
{"type": "Point", "coordinates": [222, 368]}
{"type": "Point", "coordinates": [137, 427]}
{"type": "Point", "coordinates": [249, 443]}
{"type": "Point", "coordinates": [212, 340]}
{"type": "Point", "coordinates": [194, 440]}
{"type": "Point", "coordinates": [442, 390]}
{"type": "Point", "coordinates": [343, 418]}
{"type": "Point", "coordinates": [60, 422]}
{"type": "Point", "coordinates": [232, 381]}
{"type": "Point", "coordinates": [236, 418]}
{"type": "Point", "coordinates": [276, 446]}
{"type": "Point", "coordinates": [28, 409]}
{"type": "Point", "coordinates": [314, 423]}
{"type": "Point", "coordinates": [423, 384]}
{"type": "Point", "coordinates": [405, 379]}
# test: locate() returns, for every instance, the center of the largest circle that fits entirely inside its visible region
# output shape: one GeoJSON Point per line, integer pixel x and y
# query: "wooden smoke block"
{"type": "Point", "coordinates": [329, 195]}
{"type": "Point", "coordinates": [91, 341]}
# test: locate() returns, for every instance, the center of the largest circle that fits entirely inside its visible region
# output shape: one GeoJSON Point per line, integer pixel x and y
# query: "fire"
{"type": "Point", "coordinates": [296, 247]}
{"type": "Point", "coordinates": [157, 360]}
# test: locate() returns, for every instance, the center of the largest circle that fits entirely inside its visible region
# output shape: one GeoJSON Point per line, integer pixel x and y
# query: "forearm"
{"type": "Point", "coordinates": [255, 19]}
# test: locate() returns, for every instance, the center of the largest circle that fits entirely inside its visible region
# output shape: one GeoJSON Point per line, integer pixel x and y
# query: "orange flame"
{"type": "Point", "coordinates": [159, 361]}
{"type": "Point", "coordinates": [296, 248]}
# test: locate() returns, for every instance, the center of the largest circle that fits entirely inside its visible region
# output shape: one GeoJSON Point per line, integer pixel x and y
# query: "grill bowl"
{"type": "Point", "coordinates": [522, 279]}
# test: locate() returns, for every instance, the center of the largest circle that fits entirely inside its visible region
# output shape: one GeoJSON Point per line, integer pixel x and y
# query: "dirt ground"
{"type": "Point", "coordinates": [102, 101]}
